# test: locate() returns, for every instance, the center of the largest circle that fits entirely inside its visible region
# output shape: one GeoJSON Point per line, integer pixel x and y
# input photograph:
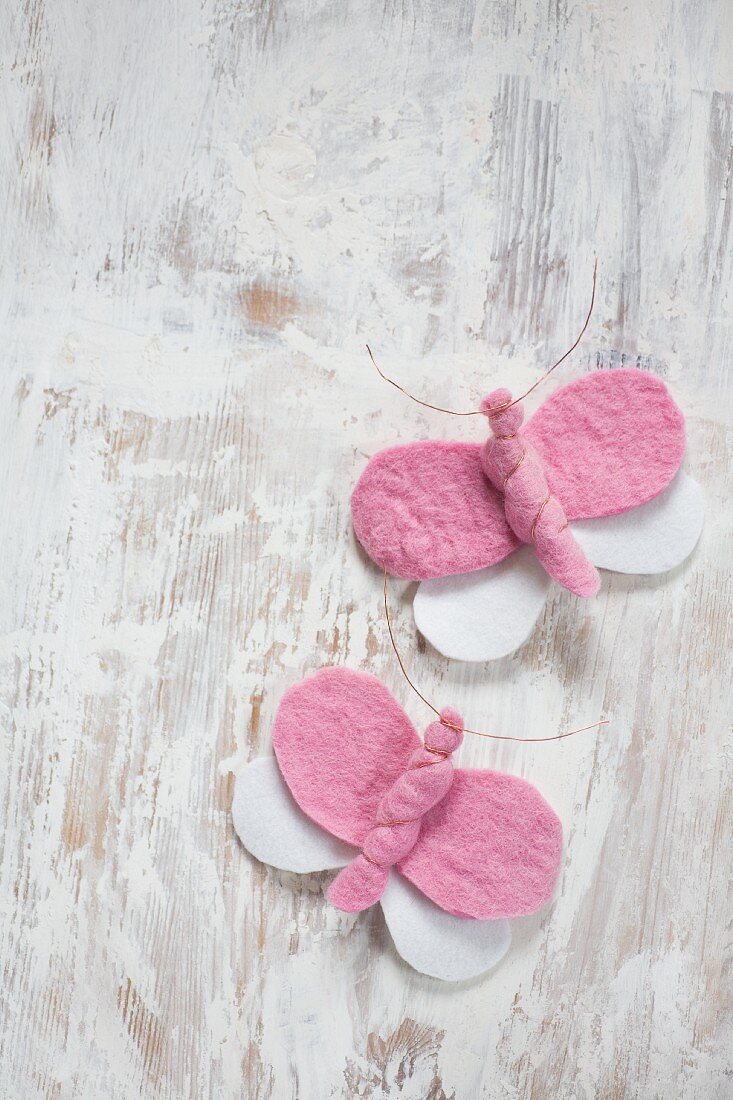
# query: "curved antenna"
{"type": "Point", "coordinates": [476, 733]}
{"type": "Point", "coordinates": [425, 404]}
{"type": "Point", "coordinates": [562, 358]}
{"type": "Point", "coordinates": [514, 401]}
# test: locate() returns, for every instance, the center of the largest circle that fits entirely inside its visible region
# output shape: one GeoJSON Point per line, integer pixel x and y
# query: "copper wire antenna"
{"type": "Point", "coordinates": [515, 400]}
{"type": "Point", "coordinates": [476, 733]}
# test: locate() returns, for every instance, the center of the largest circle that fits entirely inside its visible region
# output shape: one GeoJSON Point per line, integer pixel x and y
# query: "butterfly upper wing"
{"type": "Point", "coordinates": [651, 538]}
{"type": "Point", "coordinates": [484, 615]}
{"type": "Point", "coordinates": [610, 441]}
{"type": "Point", "coordinates": [490, 849]}
{"type": "Point", "coordinates": [426, 509]}
{"type": "Point", "coordinates": [436, 943]}
{"type": "Point", "coordinates": [271, 826]}
{"type": "Point", "coordinates": [341, 741]}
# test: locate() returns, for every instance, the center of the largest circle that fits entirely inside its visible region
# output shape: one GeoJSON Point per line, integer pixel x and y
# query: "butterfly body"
{"type": "Point", "coordinates": [515, 468]}
{"type": "Point", "coordinates": [425, 782]}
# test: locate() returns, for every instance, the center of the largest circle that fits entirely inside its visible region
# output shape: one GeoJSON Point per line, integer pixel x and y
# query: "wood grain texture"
{"type": "Point", "coordinates": [207, 209]}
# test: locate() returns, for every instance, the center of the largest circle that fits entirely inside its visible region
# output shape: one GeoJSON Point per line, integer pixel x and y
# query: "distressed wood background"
{"type": "Point", "coordinates": [207, 208]}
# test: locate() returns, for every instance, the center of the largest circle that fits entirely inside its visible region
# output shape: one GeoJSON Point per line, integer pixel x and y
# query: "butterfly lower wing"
{"type": "Point", "coordinates": [484, 615]}
{"type": "Point", "coordinates": [341, 741]}
{"type": "Point", "coordinates": [436, 943]}
{"type": "Point", "coordinates": [427, 510]}
{"type": "Point", "coordinates": [610, 441]}
{"type": "Point", "coordinates": [651, 538]}
{"type": "Point", "coordinates": [274, 829]}
{"type": "Point", "coordinates": [490, 849]}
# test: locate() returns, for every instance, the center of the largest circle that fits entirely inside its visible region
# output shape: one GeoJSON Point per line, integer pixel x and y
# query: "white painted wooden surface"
{"type": "Point", "coordinates": [207, 209]}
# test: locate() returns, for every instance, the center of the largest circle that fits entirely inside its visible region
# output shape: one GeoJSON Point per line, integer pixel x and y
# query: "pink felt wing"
{"type": "Point", "coordinates": [490, 849]}
{"type": "Point", "coordinates": [426, 509]}
{"type": "Point", "coordinates": [610, 441]}
{"type": "Point", "coordinates": [341, 741]}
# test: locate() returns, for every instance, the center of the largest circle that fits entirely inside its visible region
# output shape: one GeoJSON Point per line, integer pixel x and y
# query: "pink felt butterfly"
{"type": "Point", "coordinates": [592, 479]}
{"type": "Point", "coordinates": [451, 854]}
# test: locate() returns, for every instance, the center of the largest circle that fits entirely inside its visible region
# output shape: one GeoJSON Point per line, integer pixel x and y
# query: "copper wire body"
{"type": "Point", "coordinates": [540, 510]}
{"type": "Point", "coordinates": [516, 466]}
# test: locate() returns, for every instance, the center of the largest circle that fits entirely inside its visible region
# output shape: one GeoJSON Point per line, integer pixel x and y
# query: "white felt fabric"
{"type": "Point", "coordinates": [484, 615]}
{"type": "Point", "coordinates": [652, 538]}
{"type": "Point", "coordinates": [275, 830]}
{"type": "Point", "coordinates": [436, 943]}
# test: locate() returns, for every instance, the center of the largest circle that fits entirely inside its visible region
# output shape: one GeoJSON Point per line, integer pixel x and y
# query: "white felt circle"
{"type": "Point", "coordinates": [275, 830]}
{"type": "Point", "coordinates": [484, 615]}
{"type": "Point", "coordinates": [436, 943]}
{"type": "Point", "coordinates": [652, 538]}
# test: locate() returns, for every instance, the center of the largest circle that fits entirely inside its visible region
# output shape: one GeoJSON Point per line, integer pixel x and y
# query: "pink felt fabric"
{"type": "Point", "coordinates": [514, 468]}
{"type": "Point", "coordinates": [603, 444]}
{"type": "Point", "coordinates": [396, 827]}
{"type": "Point", "coordinates": [478, 844]}
{"type": "Point", "coordinates": [609, 441]}
{"type": "Point", "coordinates": [490, 849]}
{"type": "Point", "coordinates": [426, 510]}
{"type": "Point", "coordinates": [341, 740]}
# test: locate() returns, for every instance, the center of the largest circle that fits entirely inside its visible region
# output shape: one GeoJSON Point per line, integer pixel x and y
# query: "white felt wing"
{"type": "Point", "coordinates": [651, 538]}
{"type": "Point", "coordinates": [275, 830]}
{"type": "Point", "coordinates": [483, 615]}
{"type": "Point", "coordinates": [436, 943]}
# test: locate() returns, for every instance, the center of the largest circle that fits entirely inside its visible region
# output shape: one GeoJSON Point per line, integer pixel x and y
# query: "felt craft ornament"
{"type": "Point", "coordinates": [591, 480]}
{"type": "Point", "coordinates": [450, 854]}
